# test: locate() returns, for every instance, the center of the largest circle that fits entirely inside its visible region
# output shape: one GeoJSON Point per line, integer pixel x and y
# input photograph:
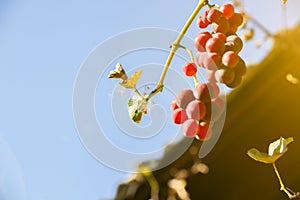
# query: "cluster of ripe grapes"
{"type": "Point", "coordinates": [198, 109]}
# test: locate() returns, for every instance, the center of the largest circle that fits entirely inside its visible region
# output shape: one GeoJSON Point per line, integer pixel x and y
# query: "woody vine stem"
{"type": "Point", "coordinates": [175, 46]}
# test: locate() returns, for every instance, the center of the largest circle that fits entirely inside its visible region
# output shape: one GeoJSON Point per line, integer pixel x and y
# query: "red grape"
{"type": "Point", "coordinates": [212, 61]}
{"type": "Point", "coordinates": [201, 39]}
{"type": "Point", "coordinates": [225, 76]}
{"type": "Point", "coordinates": [200, 58]}
{"type": "Point", "coordinates": [215, 45]}
{"type": "Point", "coordinates": [236, 82]}
{"type": "Point", "coordinates": [230, 59]}
{"type": "Point", "coordinates": [206, 91]}
{"type": "Point", "coordinates": [227, 10]}
{"type": "Point", "coordinates": [220, 35]}
{"type": "Point", "coordinates": [174, 104]}
{"type": "Point", "coordinates": [210, 75]}
{"type": "Point", "coordinates": [179, 116]}
{"type": "Point", "coordinates": [236, 20]}
{"type": "Point", "coordinates": [222, 25]}
{"type": "Point", "coordinates": [189, 69]}
{"type": "Point", "coordinates": [190, 128]}
{"type": "Point", "coordinates": [184, 97]}
{"type": "Point", "coordinates": [203, 132]}
{"type": "Point", "coordinates": [213, 15]}
{"type": "Point", "coordinates": [196, 110]}
{"type": "Point", "coordinates": [240, 69]}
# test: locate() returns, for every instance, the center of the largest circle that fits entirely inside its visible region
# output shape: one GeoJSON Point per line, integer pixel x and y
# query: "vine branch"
{"type": "Point", "coordinates": [174, 48]}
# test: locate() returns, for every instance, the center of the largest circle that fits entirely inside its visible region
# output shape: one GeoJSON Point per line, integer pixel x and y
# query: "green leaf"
{"type": "Point", "coordinates": [131, 82]}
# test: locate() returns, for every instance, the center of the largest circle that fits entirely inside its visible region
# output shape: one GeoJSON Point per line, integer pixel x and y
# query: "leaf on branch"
{"type": "Point", "coordinates": [131, 82]}
{"type": "Point", "coordinates": [276, 150]}
{"type": "Point", "coordinates": [137, 106]}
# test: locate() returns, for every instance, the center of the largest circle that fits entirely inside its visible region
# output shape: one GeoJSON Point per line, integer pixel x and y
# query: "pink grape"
{"type": "Point", "coordinates": [184, 97]}
{"type": "Point", "coordinates": [174, 104]}
{"type": "Point", "coordinates": [179, 116]}
{"type": "Point", "coordinates": [206, 91]}
{"type": "Point", "coordinates": [212, 61]}
{"type": "Point", "coordinates": [196, 110]}
{"type": "Point", "coordinates": [190, 128]}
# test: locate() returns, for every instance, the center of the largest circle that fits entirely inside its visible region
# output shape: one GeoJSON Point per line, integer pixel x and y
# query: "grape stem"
{"type": "Point", "coordinates": [174, 48]}
{"type": "Point", "coordinates": [291, 194]}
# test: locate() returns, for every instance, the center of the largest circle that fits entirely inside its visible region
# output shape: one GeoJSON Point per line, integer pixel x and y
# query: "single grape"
{"type": "Point", "coordinates": [190, 128]}
{"type": "Point", "coordinates": [236, 40]}
{"type": "Point", "coordinates": [215, 45]}
{"type": "Point", "coordinates": [214, 15]}
{"type": "Point", "coordinates": [236, 20]}
{"type": "Point", "coordinates": [200, 58]}
{"type": "Point", "coordinates": [233, 29]}
{"type": "Point", "coordinates": [220, 35]}
{"type": "Point", "coordinates": [210, 75]}
{"type": "Point", "coordinates": [203, 132]}
{"type": "Point", "coordinates": [225, 76]}
{"type": "Point", "coordinates": [189, 69]}
{"type": "Point", "coordinates": [222, 25]}
{"type": "Point", "coordinates": [184, 97]}
{"type": "Point", "coordinates": [202, 20]}
{"type": "Point", "coordinates": [179, 116]}
{"type": "Point", "coordinates": [206, 91]}
{"type": "Point", "coordinates": [236, 82]}
{"type": "Point", "coordinates": [230, 59]}
{"type": "Point", "coordinates": [227, 10]}
{"type": "Point", "coordinates": [201, 39]}
{"type": "Point", "coordinates": [212, 61]}
{"type": "Point", "coordinates": [196, 110]}
{"type": "Point", "coordinates": [240, 69]}
{"type": "Point", "coordinates": [174, 104]}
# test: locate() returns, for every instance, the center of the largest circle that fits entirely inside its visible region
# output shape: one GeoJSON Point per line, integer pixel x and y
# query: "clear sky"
{"type": "Point", "coordinates": [42, 46]}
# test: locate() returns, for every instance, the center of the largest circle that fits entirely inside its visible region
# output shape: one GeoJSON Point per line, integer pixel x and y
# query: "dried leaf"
{"type": "Point", "coordinates": [131, 82]}
{"type": "Point", "coordinates": [118, 72]}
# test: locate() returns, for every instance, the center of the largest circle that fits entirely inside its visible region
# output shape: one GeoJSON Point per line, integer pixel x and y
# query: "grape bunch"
{"type": "Point", "coordinates": [197, 109]}
{"type": "Point", "coordinates": [218, 51]}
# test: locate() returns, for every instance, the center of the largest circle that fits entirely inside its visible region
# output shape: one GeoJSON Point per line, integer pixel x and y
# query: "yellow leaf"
{"type": "Point", "coordinates": [263, 157]}
{"type": "Point", "coordinates": [269, 159]}
{"type": "Point", "coordinates": [131, 82]}
{"type": "Point", "coordinates": [284, 1]}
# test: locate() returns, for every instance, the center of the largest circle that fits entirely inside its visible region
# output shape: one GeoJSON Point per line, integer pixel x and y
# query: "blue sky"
{"type": "Point", "coordinates": [42, 46]}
